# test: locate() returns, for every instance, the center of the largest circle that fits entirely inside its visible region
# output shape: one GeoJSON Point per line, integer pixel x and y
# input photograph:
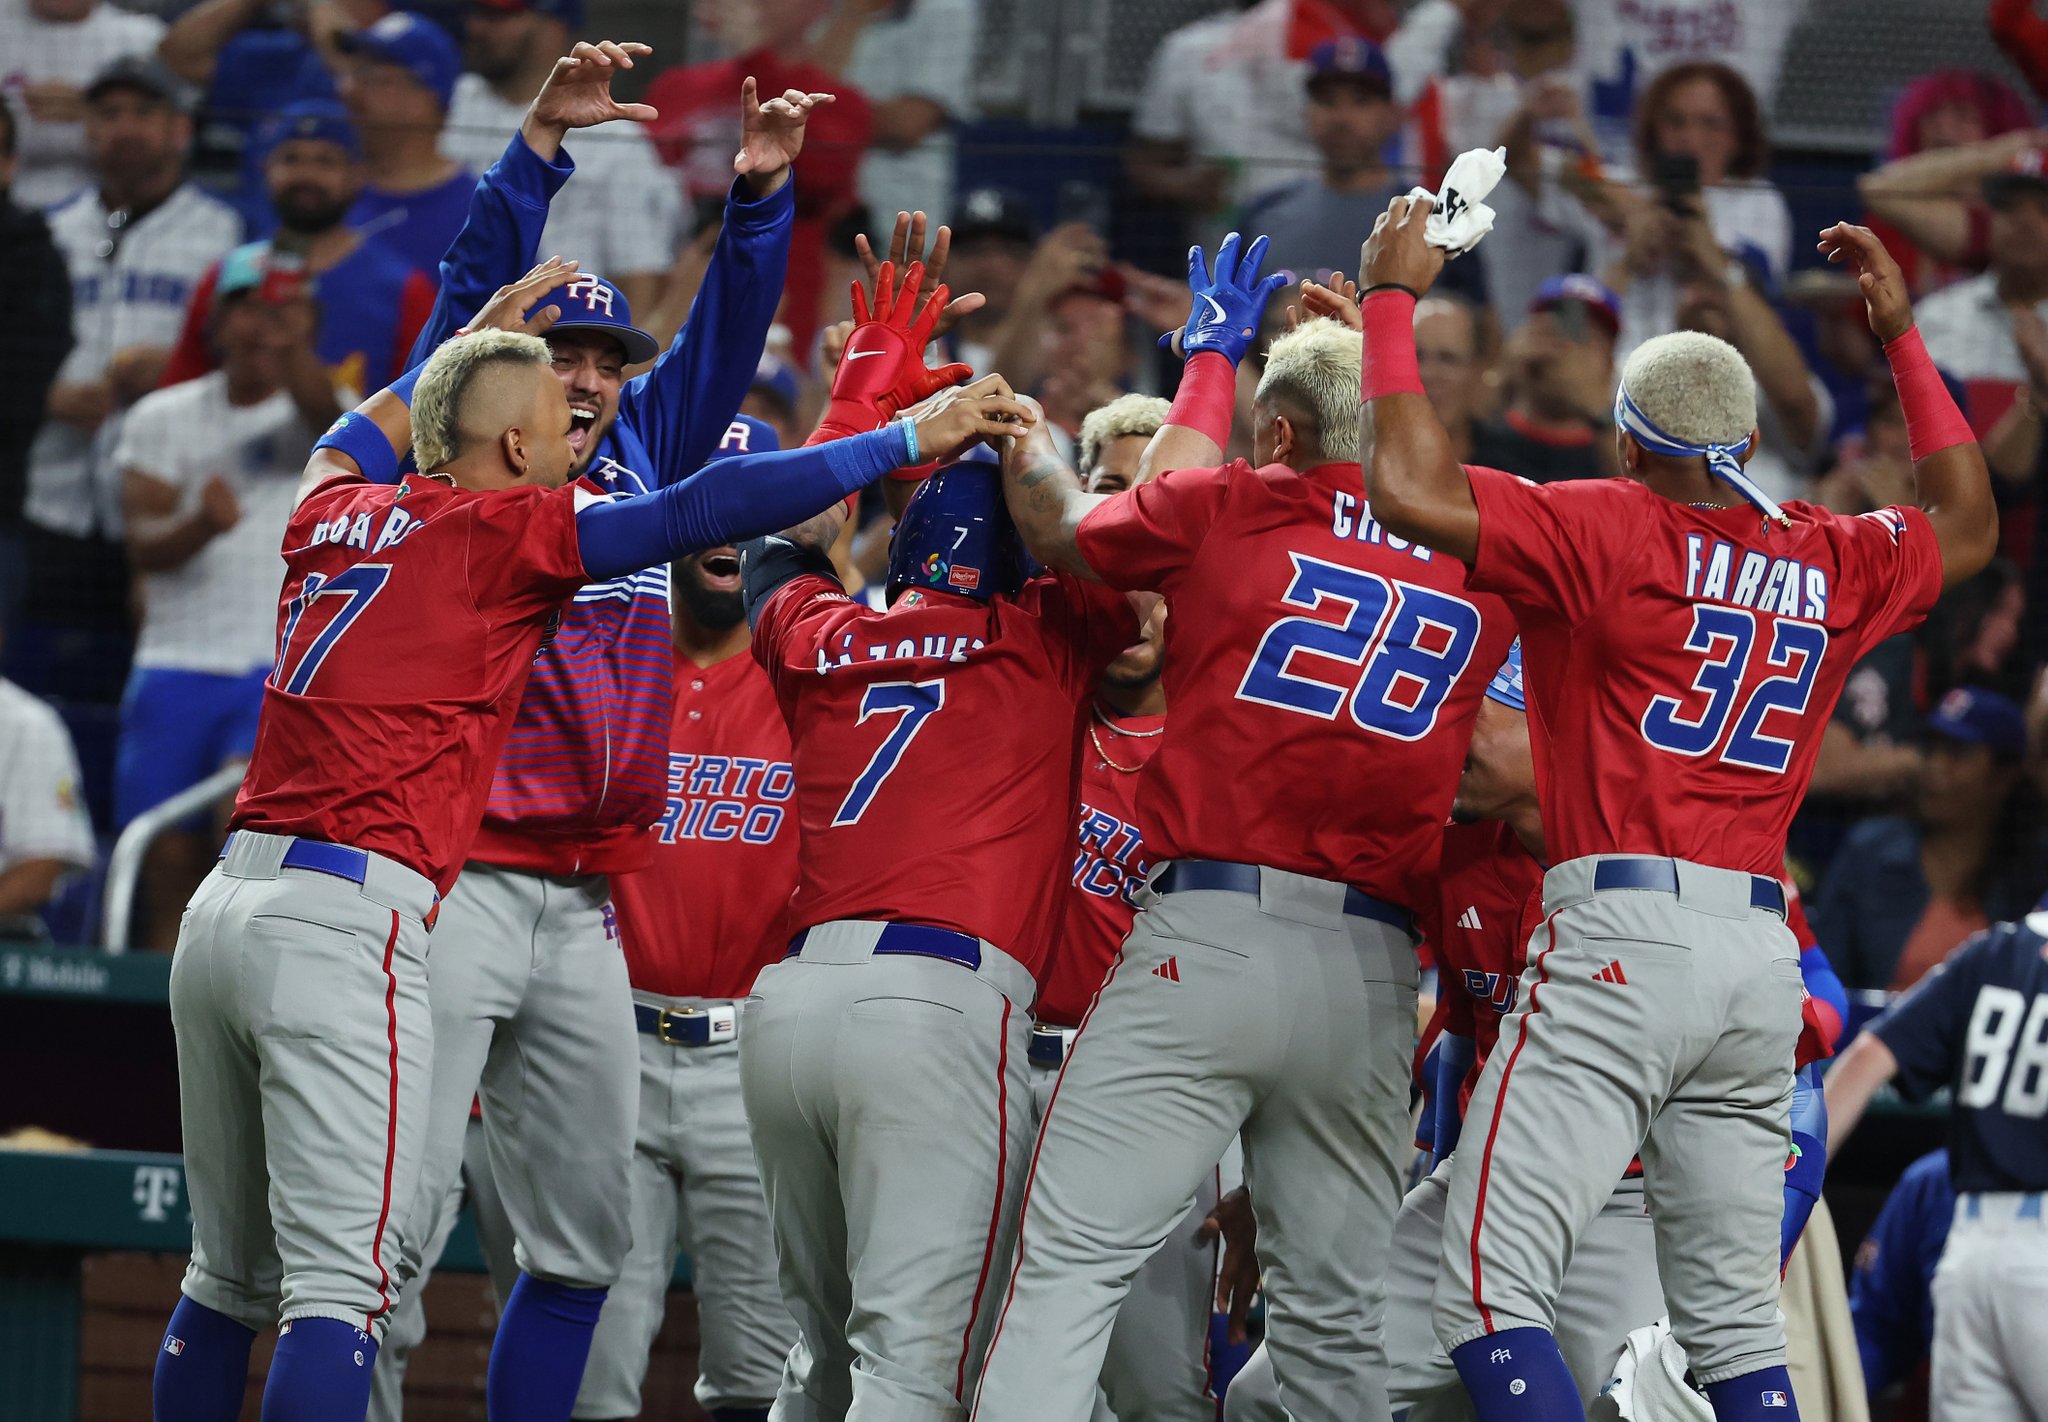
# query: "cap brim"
{"type": "Point", "coordinates": [639, 346]}
{"type": "Point", "coordinates": [1606, 317]}
{"type": "Point", "coordinates": [1380, 88]}
{"type": "Point", "coordinates": [136, 82]}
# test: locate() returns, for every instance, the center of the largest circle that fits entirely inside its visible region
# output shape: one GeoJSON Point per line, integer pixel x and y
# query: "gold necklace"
{"type": "Point", "coordinates": [1096, 736]}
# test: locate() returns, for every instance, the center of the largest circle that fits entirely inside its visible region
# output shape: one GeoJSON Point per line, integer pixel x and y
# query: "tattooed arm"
{"type": "Point", "coordinates": [1046, 501]}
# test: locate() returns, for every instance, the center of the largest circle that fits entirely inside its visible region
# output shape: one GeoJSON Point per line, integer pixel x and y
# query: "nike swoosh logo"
{"type": "Point", "coordinates": [1217, 307]}
{"type": "Point", "coordinates": [862, 355]}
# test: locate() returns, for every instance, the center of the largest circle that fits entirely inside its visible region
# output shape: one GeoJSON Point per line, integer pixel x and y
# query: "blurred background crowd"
{"type": "Point", "coordinates": [222, 222]}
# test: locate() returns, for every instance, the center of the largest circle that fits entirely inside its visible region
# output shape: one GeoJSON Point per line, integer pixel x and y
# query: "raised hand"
{"type": "Point", "coordinates": [882, 369]}
{"type": "Point", "coordinates": [1398, 253]}
{"type": "Point", "coordinates": [1228, 304]}
{"type": "Point", "coordinates": [578, 93]}
{"type": "Point", "coordinates": [771, 135]}
{"type": "Point", "coordinates": [1338, 301]}
{"type": "Point", "coordinates": [1883, 285]}
{"type": "Point", "coordinates": [906, 245]}
{"type": "Point", "coordinates": [509, 309]}
{"type": "Point", "coordinates": [960, 415]}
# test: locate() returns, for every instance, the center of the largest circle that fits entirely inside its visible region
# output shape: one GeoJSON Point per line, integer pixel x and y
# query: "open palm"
{"type": "Point", "coordinates": [772, 134]}
{"type": "Point", "coordinates": [578, 93]}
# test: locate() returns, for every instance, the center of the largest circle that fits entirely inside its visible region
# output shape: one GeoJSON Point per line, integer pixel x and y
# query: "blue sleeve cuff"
{"type": "Point", "coordinates": [752, 214]}
{"type": "Point", "coordinates": [859, 461]}
{"type": "Point", "coordinates": [524, 173]}
{"type": "Point", "coordinates": [403, 386]}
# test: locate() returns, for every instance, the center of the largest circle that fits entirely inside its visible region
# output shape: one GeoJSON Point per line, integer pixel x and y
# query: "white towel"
{"type": "Point", "coordinates": [1460, 216]}
{"type": "Point", "coordinates": [1649, 1384]}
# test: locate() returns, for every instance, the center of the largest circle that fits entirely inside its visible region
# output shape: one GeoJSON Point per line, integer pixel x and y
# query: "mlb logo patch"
{"type": "Point", "coordinates": [969, 578]}
{"type": "Point", "coordinates": [611, 922]}
{"type": "Point", "coordinates": [174, 1345]}
{"type": "Point", "coordinates": [1776, 1399]}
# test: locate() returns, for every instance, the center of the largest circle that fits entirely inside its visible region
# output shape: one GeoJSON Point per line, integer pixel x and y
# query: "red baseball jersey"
{"type": "Point", "coordinates": [1110, 861]}
{"type": "Point", "coordinates": [708, 914]}
{"type": "Point", "coordinates": [1323, 675]}
{"type": "Point", "coordinates": [938, 750]}
{"type": "Point", "coordinates": [408, 624]}
{"type": "Point", "coordinates": [1490, 900]}
{"type": "Point", "coordinates": [1680, 664]}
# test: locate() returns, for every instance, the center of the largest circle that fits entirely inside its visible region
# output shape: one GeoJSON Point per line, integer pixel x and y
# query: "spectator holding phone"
{"type": "Point", "coordinates": [1557, 374]}
{"type": "Point", "coordinates": [1699, 198]}
{"type": "Point", "coordinates": [210, 469]}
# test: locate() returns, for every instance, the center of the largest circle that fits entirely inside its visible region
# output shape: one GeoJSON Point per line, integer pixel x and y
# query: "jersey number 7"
{"type": "Point", "coordinates": [358, 587]}
{"type": "Point", "coordinates": [914, 701]}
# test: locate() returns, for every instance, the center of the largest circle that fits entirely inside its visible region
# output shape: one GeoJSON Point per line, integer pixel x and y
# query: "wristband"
{"type": "Point", "coordinates": [1413, 294]}
{"type": "Point", "coordinates": [910, 440]}
{"type": "Point", "coordinates": [357, 435]}
{"type": "Point", "coordinates": [1207, 397]}
{"type": "Point", "coordinates": [1933, 423]}
{"type": "Point", "coordinates": [402, 387]}
{"type": "Point", "coordinates": [1389, 366]}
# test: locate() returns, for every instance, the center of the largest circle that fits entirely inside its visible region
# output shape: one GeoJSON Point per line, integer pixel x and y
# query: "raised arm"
{"type": "Point", "coordinates": [1414, 483]}
{"type": "Point", "coordinates": [1929, 197]}
{"type": "Point", "coordinates": [681, 407]}
{"type": "Point", "coordinates": [1045, 498]}
{"type": "Point", "coordinates": [510, 206]}
{"type": "Point", "coordinates": [1949, 475]}
{"type": "Point", "coordinates": [1223, 321]}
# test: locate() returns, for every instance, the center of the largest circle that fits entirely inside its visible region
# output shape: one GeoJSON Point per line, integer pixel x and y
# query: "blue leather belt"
{"type": "Point", "coordinates": [918, 940]}
{"type": "Point", "coordinates": [689, 1026]}
{"type": "Point", "coordinates": [310, 854]}
{"type": "Point", "coordinates": [1048, 1045]}
{"type": "Point", "coordinates": [1661, 876]}
{"type": "Point", "coordinates": [1217, 876]}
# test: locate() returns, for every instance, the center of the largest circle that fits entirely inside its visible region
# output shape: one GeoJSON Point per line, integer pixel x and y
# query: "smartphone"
{"type": "Point", "coordinates": [1677, 176]}
{"type": "Point", "coordinates": [285, 277]}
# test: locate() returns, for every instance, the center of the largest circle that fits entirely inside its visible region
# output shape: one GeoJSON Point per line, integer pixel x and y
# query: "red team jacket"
{"type": "Point", "coordinates": [407, 628]}
{"type": "Point", "coordinates": [708, 914]}
{"type": "Point", "coordinates": [938, 750]}
{"type": "Point", "coordinates": [1323, 675]}
{"type": "Point", "coordinates": [1110, 862]}
{"type": "Point", "coordinates": [1680, 664]}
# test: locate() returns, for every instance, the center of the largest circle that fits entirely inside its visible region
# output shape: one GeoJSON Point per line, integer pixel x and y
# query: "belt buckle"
{"type": "Point", "coordinates": [661, 1023]}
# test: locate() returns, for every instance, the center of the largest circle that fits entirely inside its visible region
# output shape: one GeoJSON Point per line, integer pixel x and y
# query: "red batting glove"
{"type": "Point", "coordinates": [882, 371]}
{"type": "Point", "coordinates": [1819, 1030]}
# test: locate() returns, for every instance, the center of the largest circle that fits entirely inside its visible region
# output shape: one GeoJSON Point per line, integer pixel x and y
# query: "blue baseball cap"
{"type": "Point", "coordinates": [745, 435]}
{"type": "Point", "coordinates": [1588, 291]}
{"type": "Point", "coordinates": [590, 303]}
{"type": "Point", "coordinates": [415, 44]}
{"type": "Point", "coordinates": [1353, 58]}
{"type": "Point", "coordinates": [1975, 717]}
{"type": "Point", "coordinates": [569, 12]}
{"type": "Point", "coordinates": [1506, 686]}
{"type": "Point", "coordinates": [775, 376]}
{"type": "Point", "coordinates": [317, 120]}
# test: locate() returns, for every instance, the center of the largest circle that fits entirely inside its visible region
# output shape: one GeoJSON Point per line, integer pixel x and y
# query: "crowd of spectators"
{"type": "Point", "coordinates": [224, 221]}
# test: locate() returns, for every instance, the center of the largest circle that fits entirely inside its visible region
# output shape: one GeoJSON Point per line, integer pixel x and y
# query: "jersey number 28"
{"type": "Point", "coordinates": [1410, 644]}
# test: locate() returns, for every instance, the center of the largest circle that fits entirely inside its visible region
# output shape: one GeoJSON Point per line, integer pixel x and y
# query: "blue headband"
{"type": "Point", "coordinates": [1724, 461]}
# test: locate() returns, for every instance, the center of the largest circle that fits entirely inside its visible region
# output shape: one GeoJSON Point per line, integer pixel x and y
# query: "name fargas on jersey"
{"type": "Point", "coordinates": [1784, 586]}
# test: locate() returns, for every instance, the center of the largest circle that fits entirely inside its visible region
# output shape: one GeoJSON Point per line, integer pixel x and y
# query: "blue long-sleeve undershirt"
{"type": "Point", "coordinates": [748, 496]}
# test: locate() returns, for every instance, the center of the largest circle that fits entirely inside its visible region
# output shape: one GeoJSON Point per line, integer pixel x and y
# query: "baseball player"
{"type": "Point", "coordinates": [1157, 1365]}
{"type": "Point", "coordinates": [1684, 640]}
{"type": "Point", "coordinates": [1978, 1026]}
{"type": "Point", "coordinates": [1267, 990]}
{"type": "Point", "coordinates": [697, 925]}
{"type": "Point", "coordinates": [529, 991]}
{"type": "Point", "coordinates": [409, 620]}
{"type": "Point", "coordinates": [884, 1063]}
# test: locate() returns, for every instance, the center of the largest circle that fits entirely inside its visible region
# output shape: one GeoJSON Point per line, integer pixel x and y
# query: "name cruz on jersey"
{"type": "Point", "coordinates": [721, 797]}
{"type": "Point", "coordinates": [1109, 864]}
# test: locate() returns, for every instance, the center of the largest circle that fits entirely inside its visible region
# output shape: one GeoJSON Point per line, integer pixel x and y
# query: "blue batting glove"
{"type": "Point", "coordinates": [1227, 306]}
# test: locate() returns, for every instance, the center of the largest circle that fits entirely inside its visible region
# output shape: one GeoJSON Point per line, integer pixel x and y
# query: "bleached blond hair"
{"type": "Point", "coordinates": [1122, 417]}
{"type": "Point", "coordinates": [445, 385]}
{"type": "Point", "coordinates": [1313, 370]}
{"type": "Point", "coordinates": [1694, 387]}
